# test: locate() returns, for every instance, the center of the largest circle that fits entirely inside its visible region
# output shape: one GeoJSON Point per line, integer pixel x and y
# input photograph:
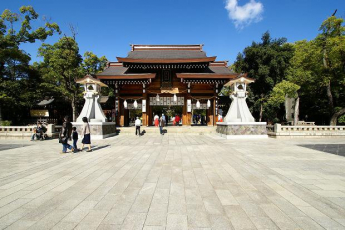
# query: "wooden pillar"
{"type": "Point", "coordinates": [117, 105]}
{"type": "Point", "coordinates": [148, 112]}
{"type": "Point", "coordinates": [184, 112]}
{"type": "Point", "coordinates": [145, 114]}
{"type": "Point", "coordinates": [214, 116]}
{"type": "Point", "coordinates": [186, 117]}
{"type": "Point", "coordinates": [121, 113]}
{"type": "Point", "coordinates": [215, 109]}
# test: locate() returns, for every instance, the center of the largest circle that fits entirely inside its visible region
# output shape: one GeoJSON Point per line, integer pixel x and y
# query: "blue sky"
{"type": "Point", "coordinates": [225, 27]}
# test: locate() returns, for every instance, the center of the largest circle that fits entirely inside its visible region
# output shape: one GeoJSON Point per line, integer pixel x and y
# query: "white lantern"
{"type": "Point", "coordinates": [125, 104]}
{"type": "Point", "coordinates": [157, 97]}
{"type": "Point", "coordinates": [135, 104]}
{"type": "Point", "coordinates": [175, 97]}
{"type": "Point", "coordinates": [198, 104]}
{"type": "Point", "coordinates": [208, 103]}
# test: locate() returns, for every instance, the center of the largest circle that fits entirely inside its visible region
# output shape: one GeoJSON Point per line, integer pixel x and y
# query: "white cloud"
{"type": "Point", "coordinates": [246, 14]}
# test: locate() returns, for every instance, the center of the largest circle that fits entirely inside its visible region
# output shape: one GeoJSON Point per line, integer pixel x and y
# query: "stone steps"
{"type": "Point", "coordinates": [170, 129]}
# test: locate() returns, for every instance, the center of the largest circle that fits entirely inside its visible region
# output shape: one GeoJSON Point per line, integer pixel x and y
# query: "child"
{"type": "Point", "coordinates": [75, 138]}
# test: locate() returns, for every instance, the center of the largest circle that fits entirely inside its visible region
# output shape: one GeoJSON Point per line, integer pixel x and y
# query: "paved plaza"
{"type": "Point", "coordinates": [176, 181]}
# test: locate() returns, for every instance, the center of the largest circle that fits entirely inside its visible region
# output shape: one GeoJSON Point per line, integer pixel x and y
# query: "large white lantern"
{"type": "Point", "coordinates": [125, 104]}
{"type": "Point", "coordinates": [135, 104]}
{"type": "Point", "coordinates": [175, 97]}
{"type": "Point", "coordinates": [208, 103]}
{"type": "Point", "coordinates": [157, 97]}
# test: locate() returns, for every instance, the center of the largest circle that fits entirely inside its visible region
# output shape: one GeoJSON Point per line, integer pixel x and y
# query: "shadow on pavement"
{"type": "Point", "coordinates": [99, 147]}
{"type": "Point", "coordinates": [337, 149]}
{"type": "Point", "coordinates": [11, 146]}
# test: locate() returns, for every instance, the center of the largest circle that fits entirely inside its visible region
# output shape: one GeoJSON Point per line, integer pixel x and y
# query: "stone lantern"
{"type": "Point", "coordinates": [92, 110]}
{"type": "Point", "coordinates": [239, 122]}
{"type": "Point", "coordinates": [239, 111]}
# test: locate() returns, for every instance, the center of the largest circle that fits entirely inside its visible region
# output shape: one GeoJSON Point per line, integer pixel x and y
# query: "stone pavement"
{"type": "Point", "coordinates": [173, 182]}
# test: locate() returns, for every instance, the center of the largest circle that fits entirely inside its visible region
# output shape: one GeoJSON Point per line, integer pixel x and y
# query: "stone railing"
{"type": "Point", "coordinates": [23, 132]}
{"type": "Point", "coordinates": [311, 130]}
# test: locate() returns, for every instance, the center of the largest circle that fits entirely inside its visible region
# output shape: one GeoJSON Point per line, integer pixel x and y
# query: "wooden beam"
{"type": "Point", "coordinates": [163, 61]}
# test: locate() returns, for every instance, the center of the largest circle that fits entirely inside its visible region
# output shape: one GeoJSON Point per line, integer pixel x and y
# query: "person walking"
{"type": "Point", "coordinates": [65, 134]}
{"type": "Point", "coordinates": [156, 119]}
{"type": "Point", "coordinates": [75, 138]}
{"type": "Point", "coordinates": [87, 136]}
{"type": "Point", "coordinates": [161, 124]}
{"type": "Point", "coordinates": [163, 116]}
{"type": "Point", "coordinates": [137, 126]}
{"type": "Point", "coordinates": [177, 120]}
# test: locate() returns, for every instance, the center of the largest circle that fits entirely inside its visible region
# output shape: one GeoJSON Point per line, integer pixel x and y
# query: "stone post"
{"type": "Point", "coordinates": [50, 130]}
{"type": "Point", "coordinates": [277, 128]}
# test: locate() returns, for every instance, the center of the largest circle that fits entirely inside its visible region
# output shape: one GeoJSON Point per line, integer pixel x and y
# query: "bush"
{"type": "Point", "coordinates": [341, 120]}
{"type": "Point", "coordinates": [5, 123]}
{"type": "Point", "coordinates": [275, 120]}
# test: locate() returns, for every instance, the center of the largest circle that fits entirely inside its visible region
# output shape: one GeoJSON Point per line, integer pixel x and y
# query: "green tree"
{"type": "Point", "coordinates": [318, 66]}
{"type": "Point", "coordinates": [281, 92]}
{"type": "Point", "coordinates": [332, 44]}
{"type": "Point", "coordinates": [266, 62]}
{"type": "Point", "coordinates": [63, 65]}
{"type": "Point", "coordinates": [16, 75]}
{"type": "Point", "coordinates": [93, 64]}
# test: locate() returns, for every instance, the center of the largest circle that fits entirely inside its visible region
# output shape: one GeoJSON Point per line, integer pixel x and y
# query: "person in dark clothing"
{"type": "Point", "coordinates": [161, 124]}
{"type": "Point", "coordinates": [65, 134]}
{"type": "Point", "coordinates": [75, 138]}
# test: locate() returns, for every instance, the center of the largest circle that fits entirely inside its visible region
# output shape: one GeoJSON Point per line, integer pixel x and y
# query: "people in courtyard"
{"type": "Point", "coordinates": [39, 132]}
{"type": "Point", "coordinates": [75, 138]}
{"type": "Point", "coordinates": [65, 134]}
{"type": "Point", "coordinates": [161, 124]}
{"type": "Point", "coordinates": [137, 126]}
{"type": "Point", "coordinates": [86, 135]}
{"type": "Point", "coordinates": [202, 120]}
{"type": "Point", "coordinates": [33, 136]}
{"type": "Point", "coordinates": [177, 119]}
{"type": "Point", "coordinates": [156, 120]}
{"type": "Point", "coordinates": [163, 118]}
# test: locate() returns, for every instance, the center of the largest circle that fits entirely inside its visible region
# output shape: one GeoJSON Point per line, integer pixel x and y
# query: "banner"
{"type": "Point", "coordinates": [143, 106]}
{"type": "Point", "coordinates": [39, 113]}
{"type": "Point", "coordinates": [189, 105]}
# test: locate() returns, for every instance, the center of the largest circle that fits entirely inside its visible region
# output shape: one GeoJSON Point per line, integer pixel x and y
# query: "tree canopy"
{"type": "Point", "coordinates": [17, 77]}
{"type": "Point", "coordinates": [63, 65]}
{"type": "Point", "coordinates": [267, 62]}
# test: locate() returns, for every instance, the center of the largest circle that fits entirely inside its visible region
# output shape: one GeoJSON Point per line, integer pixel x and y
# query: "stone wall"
{"type": "Point", "coordinates": [242, 129]}
{"type": "Point", "coordinates": [305, 131]}
{"type": "Point", "coordinates": [25, 132]}
{"type": "Point", "coordinates": [231, 130]}
{"type": "Point", "coordinates": [98, 130]}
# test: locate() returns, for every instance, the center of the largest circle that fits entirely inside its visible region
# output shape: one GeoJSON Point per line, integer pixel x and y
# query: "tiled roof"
{"type": "Point", "coordinates": [166, 54]}
{"type": "Point", "coordinates": [118, 70]}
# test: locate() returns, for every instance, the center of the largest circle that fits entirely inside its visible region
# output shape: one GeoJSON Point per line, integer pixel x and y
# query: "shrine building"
{"type": "Point", "coordinates": [171, 79]}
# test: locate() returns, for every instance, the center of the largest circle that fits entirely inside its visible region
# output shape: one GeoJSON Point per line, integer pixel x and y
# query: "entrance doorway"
{"type": "Point", "coordinates": [199, 117]}
{"type": "Point", "coordinates": [170, 112]}
{"type": "Point", "coordinates": [132, 115]}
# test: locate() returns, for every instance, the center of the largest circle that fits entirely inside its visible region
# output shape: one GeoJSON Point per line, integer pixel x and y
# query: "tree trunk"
{"type": "Point", "coordinates": [260, 119]}
{"type": "Point", "coordinates": [329, 92]}
{"type": "Point", "coordinates": [335, 116]}
{"type": "Point", "coordinates": [74, 111]}
{"type": "Point", "coordinates": [296, 113]}
{"type": "Point", "coordinates": [0, 114]}
{"type": "Point", "coordinates": [330, 96]}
